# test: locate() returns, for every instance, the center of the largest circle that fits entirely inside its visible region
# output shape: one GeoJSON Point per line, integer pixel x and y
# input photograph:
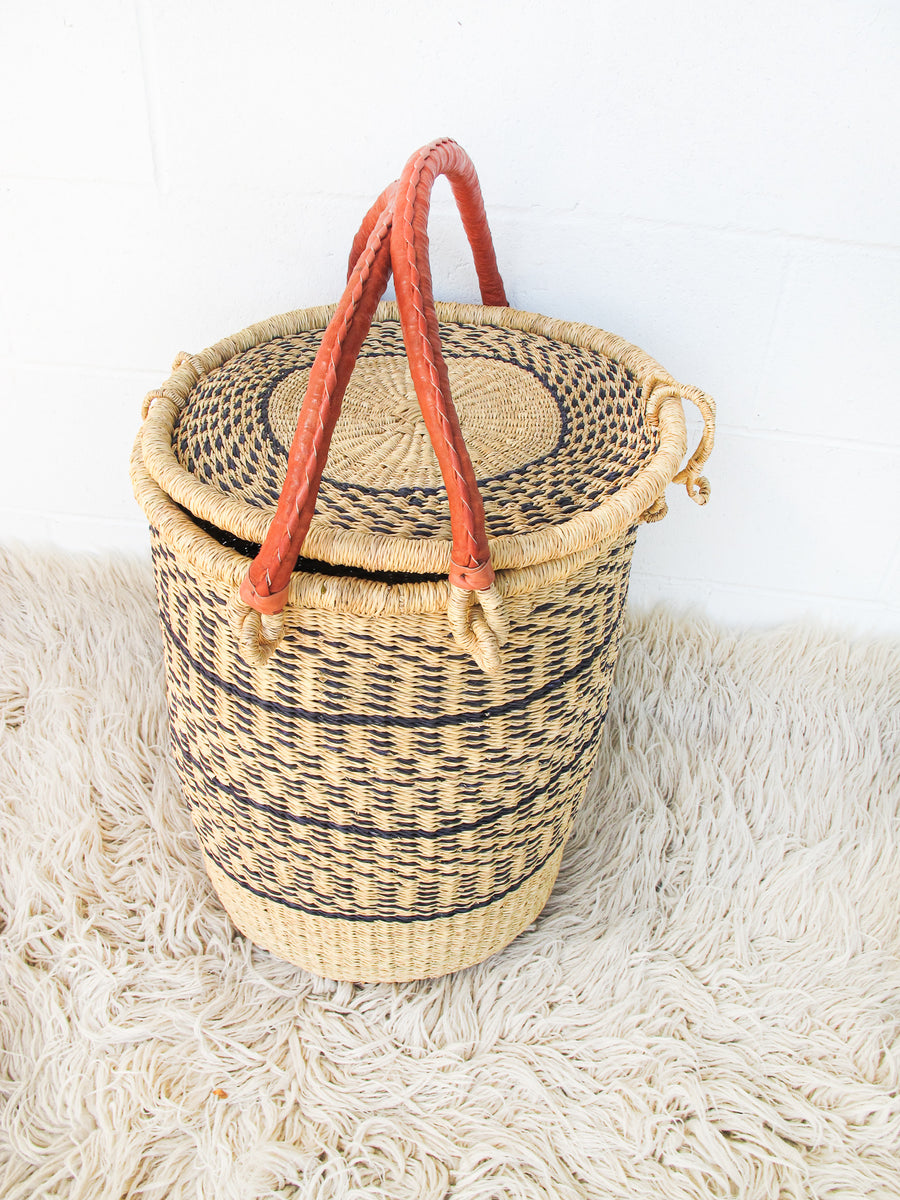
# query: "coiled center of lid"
{"type": "Point", "coordinates": [508, 419]}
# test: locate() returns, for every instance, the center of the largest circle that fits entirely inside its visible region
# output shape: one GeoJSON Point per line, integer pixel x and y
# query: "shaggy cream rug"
{"type": "Point", "coordinates": [708, 1007]}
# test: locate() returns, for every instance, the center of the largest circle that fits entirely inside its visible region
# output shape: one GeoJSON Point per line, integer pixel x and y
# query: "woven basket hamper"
{"type": "Point", "coordinates": [389, 638]}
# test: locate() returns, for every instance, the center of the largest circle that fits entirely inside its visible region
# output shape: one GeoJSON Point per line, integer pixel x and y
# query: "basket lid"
{"type": "Point", "coordinates": [553, 428]}
{"type": "Point", "coordinates": [548, 438]}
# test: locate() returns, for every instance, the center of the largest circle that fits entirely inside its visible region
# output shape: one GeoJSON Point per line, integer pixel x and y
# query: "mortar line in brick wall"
{"type": "Point", "coordinates": [582, 214]}
{"type": "Point", "coordinates": [143, 377]}
{"type": "Point", "coordinates": [141, 374]}
{"type": "Point", "coordinates": [699, 581]}
{"type": "Point", "coordinates": [441, 204]}
{"type": "Point", "coordinates": [788, 273]}
{"type": "Point", "coordinates": [786, 235]}
{"type": "Point", "coordinates": [820, 440]}
{"type": "Point", "coordinates": [726, 230]}
{"type": "Point", "coordinates": [81, 181]}
{"type": "Point", "coordinates": [47, 514]}
{"type": "Point", "coordinates": [151, 93]}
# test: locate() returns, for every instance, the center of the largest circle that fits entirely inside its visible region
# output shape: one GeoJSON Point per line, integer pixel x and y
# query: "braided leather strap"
{"type": "Point", "coordinates": [471, 561]}
{"type": "Point", "coordinates": [264, 590]}
{"type": "Point", "coordinates": [265, 587]}
{"type": "Point", "coordinates": [384, 202]}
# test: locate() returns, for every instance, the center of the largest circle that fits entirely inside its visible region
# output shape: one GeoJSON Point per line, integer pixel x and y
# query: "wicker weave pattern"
{"type": "Point", "coordinates": [566, 424]}
{"type": "Point", "coordinates": [592, 525]}
{"type": "Point", "coordinates": [372, 804]}
{"type": "Point", "coordinates": [417, 786]}
{"type": "Point", "coordinates": [374, 951]}
{"type": "Point", "coordinates": [382, 428]}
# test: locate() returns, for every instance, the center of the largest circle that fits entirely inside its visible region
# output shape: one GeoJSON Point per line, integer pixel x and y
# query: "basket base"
{"type": "Point", "coordinates": [384, 951]}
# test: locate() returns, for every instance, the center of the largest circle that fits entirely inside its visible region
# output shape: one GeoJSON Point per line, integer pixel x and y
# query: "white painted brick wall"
{"type": "Point", "coordinates": [716, 183]}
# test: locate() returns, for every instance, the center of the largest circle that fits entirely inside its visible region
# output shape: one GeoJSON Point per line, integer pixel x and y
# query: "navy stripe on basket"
{"type": "Point", "coordinates": [373, 831]}
{"type": "Point", "coordinates": [399, 918]}
{"type": "Point", "coordinates": [543, 377]}
{"type": "Point", "coordinates": [324, 717]}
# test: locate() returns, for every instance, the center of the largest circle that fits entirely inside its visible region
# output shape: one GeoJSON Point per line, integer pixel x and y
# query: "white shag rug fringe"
{"type": "Point", "coordinates": [708, 1006]}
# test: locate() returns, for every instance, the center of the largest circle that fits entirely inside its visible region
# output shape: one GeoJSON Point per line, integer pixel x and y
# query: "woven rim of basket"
{"type": "Point", "coordinates": [583, 533]}
{"type": "Point", "coordinates": [332, 593]}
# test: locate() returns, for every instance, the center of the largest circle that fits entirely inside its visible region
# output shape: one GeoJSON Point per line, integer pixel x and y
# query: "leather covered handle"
{"type": "Point", "coordinates": [467, 193]}
{"type": "Point", "coordinates": [471, 560]}
{"type": "Point", "coordinates": [392, 235]}
{"type": "Point", "coordinates": [265, 586]}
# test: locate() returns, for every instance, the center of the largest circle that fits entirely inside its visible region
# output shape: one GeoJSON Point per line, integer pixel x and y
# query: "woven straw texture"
{"type": "Point", "coordinates": [706, 1007]}
{"type": "Point", "coordinates": [552, 429]}
{"type": "Point", "coordinates": [367, 779]}
{"type": "Point", "coordinates": [370, 803]}
{"type": "Point", "coordinates": [609, 488]}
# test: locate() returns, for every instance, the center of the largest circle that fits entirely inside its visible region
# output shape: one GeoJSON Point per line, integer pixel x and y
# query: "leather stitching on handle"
{"type": "Point", "coordinates": [383, 248]}
{"type": "Point", "coordinates": [409, 253]}
{"type": "Point", "coordinates": [271, 569]}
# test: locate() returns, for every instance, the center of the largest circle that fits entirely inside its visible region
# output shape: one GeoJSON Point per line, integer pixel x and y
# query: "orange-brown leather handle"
{"type": "Point", "coordinates": [467, 193]}
{"type": "Point", "coordinates": [266, 583]}
{"type": "Point", "coordinates": [369, 221]}
{"type": "Point", "coordinates": [471, 561]}
{"type": "Point", "coordinates": [265, 586]}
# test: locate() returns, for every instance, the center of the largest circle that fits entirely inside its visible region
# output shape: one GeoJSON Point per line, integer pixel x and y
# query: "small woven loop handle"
{"type": "Point", "coordinates": [698, 485]}
{"type": "Point", "coordinates": [265, 586]}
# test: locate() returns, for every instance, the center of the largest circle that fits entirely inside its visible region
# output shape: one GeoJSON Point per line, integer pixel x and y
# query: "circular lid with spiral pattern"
{"type": "Point", "coordinates": [552, 429]}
